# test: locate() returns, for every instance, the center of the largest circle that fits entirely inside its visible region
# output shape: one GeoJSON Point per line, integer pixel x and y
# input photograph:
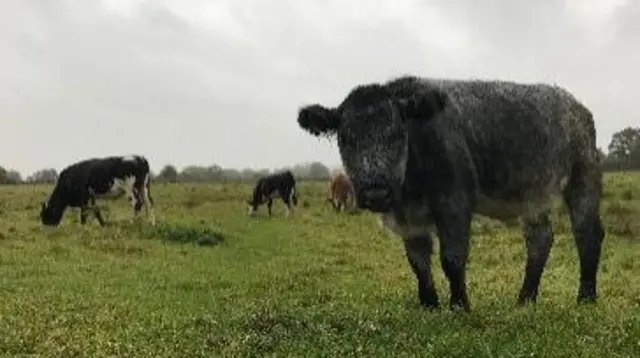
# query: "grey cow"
{"type": "Point", "coordinates": [428, 153]}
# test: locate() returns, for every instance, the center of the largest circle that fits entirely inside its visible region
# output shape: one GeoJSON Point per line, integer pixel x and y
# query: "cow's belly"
{"type": "Point", "coordinates": [119, 188]}
{"type": "Point", "coordinates": [537, 201]}
{"type": "Point", "coordinates": [274, 194]}
{"type": "Point", "coordinates": [419, 220]}
{"type": "Point", "coordinates": [508, 211]}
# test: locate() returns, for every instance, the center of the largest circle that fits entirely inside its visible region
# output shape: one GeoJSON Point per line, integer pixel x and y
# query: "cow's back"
{"type": "Point", "coordinates": [519, 139]}
{"type": "Point", "coordinates": [96, 175]}
{"type": "Point", "coordinates": [102, 174]}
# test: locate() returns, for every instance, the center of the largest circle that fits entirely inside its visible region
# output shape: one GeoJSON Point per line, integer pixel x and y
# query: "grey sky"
{"type": "Point", "coordinates": [203, 82]}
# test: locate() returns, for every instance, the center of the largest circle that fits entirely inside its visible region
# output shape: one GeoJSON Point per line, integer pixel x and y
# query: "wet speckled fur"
{"type": "Point", "coordinates": [454, 148]}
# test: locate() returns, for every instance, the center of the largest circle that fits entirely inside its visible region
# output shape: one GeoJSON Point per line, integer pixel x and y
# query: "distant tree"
{"type": "Point", "coordinates": [624, 146]}
{"type": "Point", "coordinates": [14, 177]}
{"type": "Point", "coordinates": [301, 170]}
{"type": "Point", "coordinates": [3, 176]}
{"type": "Point", "coordinates": [168, 173]}
{"type": "Point", "coordinates": [338, 169]}
{"type": "Point", "coordinates": [231, 175]}
{"type": "Point", "coordinates": [193, 173]}
{"type": "Point", "coordinates": [318, 171]}
{"type": "Point", "coordinates": [263, 172]}
{"type": "Point", "coordinates": [214, 173]}
{"type": "Point", "coordinates": [49, 175]}
{"type": "Point", "coordinates": [248, 174]}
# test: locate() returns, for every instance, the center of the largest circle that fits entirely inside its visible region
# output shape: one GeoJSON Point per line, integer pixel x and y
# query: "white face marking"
{"type": "Point", "coordinates": [365, 163]}
{"type": "Point", "coordinates": [401, 169]}
{"type": "Point", "coordinates": [563, 182]}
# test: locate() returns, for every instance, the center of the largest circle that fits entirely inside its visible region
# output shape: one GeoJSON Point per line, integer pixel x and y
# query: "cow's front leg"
{"type": "Point", "coordinates": [418, 249]}
{"type": "Point", "coordinates": [454, 233]}
{"type": "Point", "coordinates": [96, 211]}
{"type": "Point", "coordinates": [269, 206]}
{"type": "Point", "coordinates": [84, 213]}
{"type": "Point", "coordinates": [538, 235]}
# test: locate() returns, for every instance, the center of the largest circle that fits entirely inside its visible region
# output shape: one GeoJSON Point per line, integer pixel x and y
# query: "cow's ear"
{"type": "Point", "coordinates": [423, 105]}
{"type": "Point", "coordinates": [319, 120]}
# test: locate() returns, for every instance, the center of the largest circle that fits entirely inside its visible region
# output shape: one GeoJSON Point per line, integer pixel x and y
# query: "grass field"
{"type": "Point", "coordinates": [315, 284]}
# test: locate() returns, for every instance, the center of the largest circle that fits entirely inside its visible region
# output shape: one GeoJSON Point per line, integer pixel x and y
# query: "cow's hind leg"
{"type": "Point", "coordinates": [418, 249]}
{"type": "Point", "coordinates": [148, 202]}
{"type": "Point", "coordinates": [582, 197]}
{"type": "Point", "coordinates": [538, 234]}
{"type": "Point", "coordinates": [135, 199]}
{"type": "Point", "coordinates": [289, 201]}
{"type": "Point", "coordinates": [287, 205]}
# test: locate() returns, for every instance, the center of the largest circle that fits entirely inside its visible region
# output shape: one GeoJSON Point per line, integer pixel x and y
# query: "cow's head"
{"type": "Point", "coordinates": [251, 208]}
{"type": "Point", "coordinates": [373, 136]}
{"type": "Point", "coordinates": [51, 214]}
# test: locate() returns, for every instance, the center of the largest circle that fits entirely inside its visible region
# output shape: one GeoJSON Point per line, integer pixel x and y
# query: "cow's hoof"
{"type": "Point", "coordinates": [586, 300]}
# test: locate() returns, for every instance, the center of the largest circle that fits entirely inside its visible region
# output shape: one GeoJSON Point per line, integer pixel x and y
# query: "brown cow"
{"type": "Point", "coordinates": [340, 191]}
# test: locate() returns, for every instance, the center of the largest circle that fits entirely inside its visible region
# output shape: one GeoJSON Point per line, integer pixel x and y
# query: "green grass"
{"type": "Point", "coordinates": [315, 284]}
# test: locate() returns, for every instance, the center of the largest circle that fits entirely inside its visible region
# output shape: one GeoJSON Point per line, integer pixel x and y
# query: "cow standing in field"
{"type": "Point", "coordinates": [80, 184]}
{"type": "Point", "coordinates": [340, 192]}
{"type": "Point", "coordinates": [429, 153]}
{"type": "Point", "coordinates": [281, 185]}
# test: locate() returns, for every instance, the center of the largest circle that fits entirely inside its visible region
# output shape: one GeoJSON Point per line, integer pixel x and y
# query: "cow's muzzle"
{"type": "Point", "coordinates": [376, 198]}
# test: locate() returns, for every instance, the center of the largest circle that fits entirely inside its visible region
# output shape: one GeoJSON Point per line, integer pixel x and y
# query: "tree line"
{"type": "Point", "coordinates": [189, 174]}
{"type": "Point", "coordinates": [623, 154]}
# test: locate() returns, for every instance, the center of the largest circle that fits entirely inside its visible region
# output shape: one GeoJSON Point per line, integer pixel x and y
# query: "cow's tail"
{"type": "Point", "coordinates": [147, 185]}
{"type": "Point", "coordinates": [147, 198]}
{"type": "Point", "coordinates": [293, 197]}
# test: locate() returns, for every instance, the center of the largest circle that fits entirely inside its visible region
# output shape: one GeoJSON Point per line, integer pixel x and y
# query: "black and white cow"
{"type": "Point", "coordinates": [427, 154]}
{"type": "Point", "coordinates": [281, 185]}
{"type": "Point", "coordinates": [80, 184]}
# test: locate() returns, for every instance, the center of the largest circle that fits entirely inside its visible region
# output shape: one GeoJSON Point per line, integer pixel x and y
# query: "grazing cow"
{"type": "Point", "coordinates": [281, 185]}
{"type": "Point", "coordinates": [80, 184]}
{"type": "Point", "coordinates": [340, 192]}
{"type": "Point", "coordinates": [428, 154]}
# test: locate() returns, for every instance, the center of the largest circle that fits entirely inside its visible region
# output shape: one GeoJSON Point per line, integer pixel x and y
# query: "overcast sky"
{"type": "Point", "coordinates": [221, 81]}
